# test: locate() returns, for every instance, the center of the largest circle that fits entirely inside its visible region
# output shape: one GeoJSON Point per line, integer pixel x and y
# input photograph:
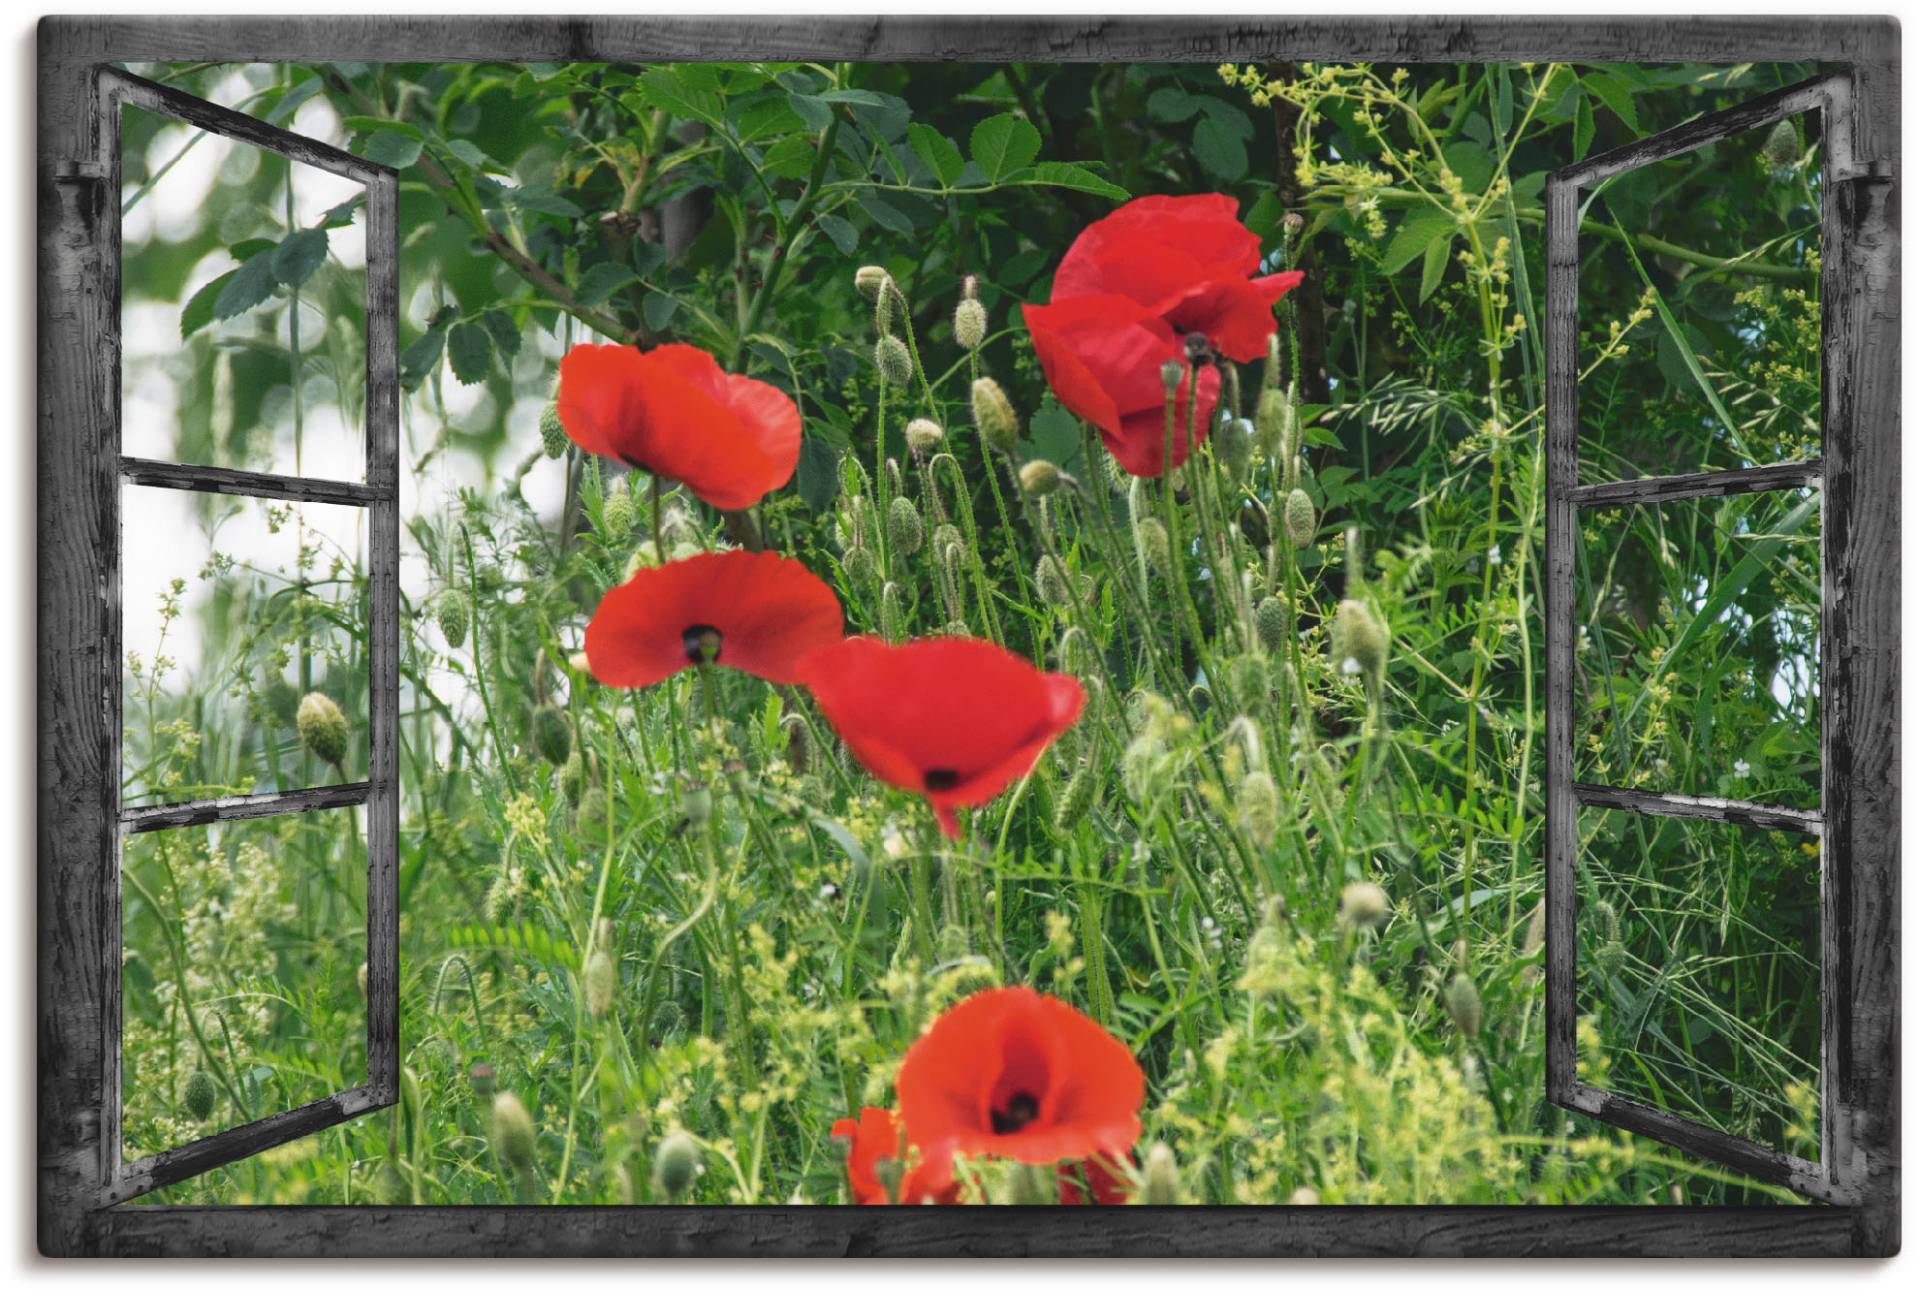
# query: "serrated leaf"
{"type": "Point", "coordinates": [1003, 144]}
{"type": "Point", "coordinates": [506, 335]}
{"type": "Point", "coordinates": [1171, 104]}
{"type": "Point", "coordinates": [665, 88]}
{"type": "Point", "coordinates": [818, 474]}
{"type": "Point", "coordinates": [598, 283]}
{"type": "Point", "coordinates": [1219, 150]}
{"type": "Point", "coordinates": [658, 309]}
{"type": "Point", "coordinates": [419, 359]}
{"type": "Point", "coordinates": [941, 154]}
{"type": "Point", "coordinates": [1416, 232]}
{"type": "Point", "coordinates": [199, 310]}
{"type": "Point", "coordinates": [342, 215]}
{"type": "Point", "coordinates": [844, 235]}
{"type": "Point", "coordinates": [391, 148]}
{"type": "Point", "coordinates": [791, 158]}
{"type": "Point", "coordinates": [298, 255]}
{"type": "Point", "coordinates": [1067, 174]}
{"type": "Point", "coordinates": [250, 284]}
{"type": "Point", "coordinates": [468, 153]}
{"type": "Point", "coordinates": [815, 111]}
{"type": "Point", "coordinates": [469, 352]}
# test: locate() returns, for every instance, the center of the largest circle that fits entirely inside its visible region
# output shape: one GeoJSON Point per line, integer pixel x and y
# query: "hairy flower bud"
{"type": "Point", "coordinates": [451, 611]}
{"type": "Point", "coordinates": [590, 817]}
{"type": "Point", "coordinates": [904, 530]}
{"type": "Point", "coordinates": [573, 776]}
{"type": "Point", "coordinates": [870, 279]}
{"type": "Point", "coordinates": [1052, 581]}
{"type": "Point", "coordinates": [1270, 623]}
{"type": "Point", "coordinates": [1258, 806]}
{"type": "Point", "coordinates": [1234, 447]}
{"type": "Point", "coordinates": [1160, 1178]}
{"type": "Point", "coordinates": [1362, 904]}
{"type": "Point", "coordinates": [675, 1163]}
{"type": "Point", "coordinates": [597, 982]}
{"type": "Point", "coordinates": [1782, 147]}
{"type": "Point", "coordinates": [1075, 800]}
{"type": "Point", "coordinates": [617, 513]}
{"type": "Point", "coordinates": [1299, 520]}
{"type": "Point", "coordinates": [1463, 1004]}
{"type": "Point", "coordinates": [1038, 478]}
{"type": "Point", "coordinates": [322, 727]}
{"type": "Point", "coordinates": [553, 435]}
{"type": "Point", "coordinates": [499, 898]}
{"type": "Point", "coordinates": [893, 618]}
{"type": "Point", "coordinates": [1172, 372]}
{"type": "Point", "coordinates": [1273, 423]}
{"type": "Point", "coordinates": [1151, 543]}
{"type": "Point", "coordinates": [947, 543]}
{"type": "Point", "coordinates": [969, 324]}
{"type": "Point", "coordinates": [994, 416]}
{"type": "Point", "coordinates": [552, 733]}
{"type": "Point", "coordinates": [894, 359]}
{"type": "Point", "coordinates": [1359, 640]}
{"type": "Point", "coordinates": [924, 436]}
{"type": "Point", "coordinates": [858, 564]}
{"type": "Point", "coordinates": [199, 1095]}
{"type": "Point", "coordinates": [512, 1131]}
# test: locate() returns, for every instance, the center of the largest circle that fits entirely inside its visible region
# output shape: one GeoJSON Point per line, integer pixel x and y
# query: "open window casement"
{"type": "Point", "coordinates": [1801, 1097]}
{"type": "Point", "coordinates": [331, 487]}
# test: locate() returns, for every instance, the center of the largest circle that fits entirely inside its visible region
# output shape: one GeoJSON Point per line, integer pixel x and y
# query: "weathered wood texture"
{"type": "Point", "coordinates": [1685, 807]}
{"type": "Point", "coordinates": [142, 1176]}
{"type": "Point", "coordinates": [249, 483]}
{"type": "Point", "coordinates": [257, 806]}
{"type": "Point", "coordinates": [1711, 483]}
{"type": "Point", "coordinates": [79, 475]}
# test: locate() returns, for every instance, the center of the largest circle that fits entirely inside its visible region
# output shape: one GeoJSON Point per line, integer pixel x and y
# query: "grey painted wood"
{"type": "Point", "coordinates": [253, 806]}
{"type": "Point", "coordinates": [1682, 806]}
{"type": "Point", "coordinates": [1762, 1162]}
{"type": "Point", "coordinates": [1762, 110]}
{"type": "Point", "coordinates": [250, 483]}
{"type": "Point", "coordinates": [77, 624]}
{"type": "Point", "coordinates": [1711, 483]}
{"type": "Point", "coordinates": [168, 1167]}
{"type": "Point", "coordinates": [1563, 471]}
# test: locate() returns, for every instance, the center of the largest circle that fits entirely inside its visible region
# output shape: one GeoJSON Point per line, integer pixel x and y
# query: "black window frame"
{"type": "Point", "coordinates": [80, 472]}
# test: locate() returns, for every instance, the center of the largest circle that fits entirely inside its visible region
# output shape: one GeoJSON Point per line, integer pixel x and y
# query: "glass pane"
{"type": "Point", "coordinates": [240, 269]}
{"type": "Point", "coordinates": [240, 614]}
{"type": "Point", "coordinates": [1730, 375]}
{"type": "Point", "coordinates": [1699, 972]}
{"type": "Point", "coordinates": [1698, 647]}
{"type": "Point", "coordinates": [240, 978]}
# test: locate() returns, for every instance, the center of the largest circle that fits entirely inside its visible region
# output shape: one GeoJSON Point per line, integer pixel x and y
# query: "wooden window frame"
{"type": "Point", "coordinates": [81, 469]}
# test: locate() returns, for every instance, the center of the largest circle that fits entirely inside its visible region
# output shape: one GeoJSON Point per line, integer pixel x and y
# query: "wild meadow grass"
{"type": "Point", "coordinates": [1290, 854]}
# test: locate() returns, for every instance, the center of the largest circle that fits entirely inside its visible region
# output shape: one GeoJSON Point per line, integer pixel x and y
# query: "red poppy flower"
{"type": "Point", "coordinates": [877, 1136]}
{"type": "Point", "coordinates": [753, 610]}
{"type": "Point", "coordinates": [673, 412]}
{"type": "Point", "coordinates": [952, 718]}
{"type": "Point", "coordinates": [1102, 357]}
{"type": "Point", "coordinates": [1015, 1074]}
{"type": "Point", "coordinates": [1187, 260]}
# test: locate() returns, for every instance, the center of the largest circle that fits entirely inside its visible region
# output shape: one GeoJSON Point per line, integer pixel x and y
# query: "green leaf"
{"type": "Point", "coordinates": [1434, 266]}
{"type": "Point", "coordinates": [469, 153]}
{"type": "Point", "coordinates": [1220, 151]}
{"type": "Point", "coordinates": [658, 309]}
{"type": "Point", "coordinates": [506, 335]}
{"type": "Point", "coordinates": [541, 198]}
{"type": "Point", "coordinates": [199, 310]}
{"type": "Point", "coordinates": [844, 234]}
{"type": "Point", "coordinates": [818, 475]}
{"type": "Point", "coordinates": [941, 154]}
{"type": "Point", "coordinates": [598, 283]}
{"type": "Point", "coordinates": [1582, 127]}
{"type": "Point", "coordinates": [665, 88]}
{"type": "Point", "coordinates": [250, 284]}
{"type": "Point", "coordinates": [421, 357]}
{"type": "Point", "coordinates": [1171, 104]}
{"type": "Point", "coordinates": [791, 158]}
{"type": "Point", "coordinates": [298, 255]}
{"type": "Point", "coordinates": [1054, 435]}
{"type": "Point", "coordinates": [526, 939]}
{"type": "Point", "coordinates": [1473, 163]}
{"type": "Point", "coordinates": [391, 148]}
{"type": "Point", "coordinates": [341, 216]}
{"type": "Point", "coordinates": [815, 111]}
{"type": "Point", "coordinates": [469, 352]}
{"type": "Point", "coordinates": [1066, 174]}
{"type": "Point", "coordinates": [1616, 94]}
{"type": "Point", "coordinates": [1003, 144]}
{"type": "Point", "coordinates": [375, 124]}
{"type": "Point", "coordinates": [882, 213]}
{"type": "Point", "coordinates": [1417, 231]}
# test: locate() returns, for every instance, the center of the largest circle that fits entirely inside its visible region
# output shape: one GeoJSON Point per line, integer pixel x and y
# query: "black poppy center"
{"type": "Point", "coordinates": [702, 643]}
{"type": "Point", "coordinates": [940, 779]}
{"type": "Point", "coordinates": [1018, 1113]}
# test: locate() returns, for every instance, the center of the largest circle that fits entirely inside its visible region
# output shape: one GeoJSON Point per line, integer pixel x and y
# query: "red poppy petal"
{"type": "Point", "coordinates": [1139, 446]}
{"type": "Point", "coordinates": [1076, 385]}
{"type": "Point", "coordinates": [598, 398]}
{"type": "Point", "coordinates": [775, 421]}
{"type": "Point", "coordinates": [634, 638]}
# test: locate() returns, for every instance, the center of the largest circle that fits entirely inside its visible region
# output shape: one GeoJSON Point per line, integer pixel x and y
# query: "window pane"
{"type": "Point", "coordinates": [1732, 377]}
{"type": "Point", "coordinates": [1698, 647]}
{"type": "Point", "coordinates": [1699, 972]}
{"type": "Point", "coordinates": [240, 994]}
{"type": "Point", "coordinates": [213, 333]}
{"type": "Point", "coordinates": [237, 613]}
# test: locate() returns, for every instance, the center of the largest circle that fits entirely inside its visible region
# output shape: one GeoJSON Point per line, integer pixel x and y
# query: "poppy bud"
{"type": "Point", "coordinates": [893, 624]}
{"type": "Point", "coordinates": [512, 1130]}
{"type": "Point", "coordinates": [1258, 806]}
{"type": "Point", "coordinates": [199, 1094]}
{"type": "Point", "coordinates": [1160, 1181]}
{"type": "Point", "coordinates": [1270, 377]}
{"type": "Point", "coordinates": [904, 530]}
{"type": "Point", "coordinates": [552, 733]}
{"type": "Point", "coordinates": [1028, 1185]}
{"type": "Point", "coordinates": [1075, 800]}
{"type": "Point", "coordinates": [499, 898]}
{"type": "Point", "coordinates": [858, 564]}
{"type": "Point", "coordinates": [947, 541]}
{"type": "Point", "coordinates": [1150, 541]}
{"type": "Point", "coordinates": [675, 1162]}
{"type": "Point", "coordinates": [1247, 677]}
{"type": "Point", "coordinates": [1270, 623]}
{"type": "Point", "coordinates": [951, 944]}
{"type": "Point", "coordinates": [451, 610]}
{"type": "Point", "coordinates": [1362, 904]}
{"type": "Point", "coordinates": [1038, 478]}
{"type": "Point", "coordinates": [1272, 422]}
{"type": "Point", "coordinates": [573, 776]}
{"type": "Point", "coordinates": [797, 745]}
{"type": "Point", "coordinates": [969, 287]}
{"type": "Point", "coordinates": [1172, 372]}
{"type": "Point", "coordinates": [1299, 519]}
{"type": "Point", "coordinates": [894, 359]}
{"type": "Point", "coordinates": [1359, 640]}
{"type": "Point", "coordinates": [1293, 222]}
{"type": "Point", "coordinates": [1051, 580]}
{"type": "Point", "coordinates": [616, 513]}
{"type": "Point", "coordinates": [696, 805]}
{"type": "Point", "coordinates": [1463, 1004]}
{"type": "Point", "coordinates": [553, 435]}
{"type": "Point", "coordinates": [591, 815]}
{"type": "Point", "coordinates": [323, 728]}
{"type": "Point", "coordinates": [389, 1185]}
{"type": "Point", "coordinates": [924, 436]}
{"type": "Point", "coordinates": [1303, 1195]}
{"type": "Point", "coordinates": [597, 981]}
{"type": "Point", "coordinates": [480, 1075]}
{"type": "Point", "coordinates": [1782, 147]}
{"type": "Point", "coordinates": [994, 416]}
{"type": "Point", "coordinates": [1234, 445]}
{"type": "Point", "coordinates": [871, 279]}
{"type": "Point", "coordinates": [969, 324]}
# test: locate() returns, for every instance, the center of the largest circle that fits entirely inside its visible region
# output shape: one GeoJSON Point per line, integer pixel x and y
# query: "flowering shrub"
{"type": "Point", "coordinates": [1002, 673]}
